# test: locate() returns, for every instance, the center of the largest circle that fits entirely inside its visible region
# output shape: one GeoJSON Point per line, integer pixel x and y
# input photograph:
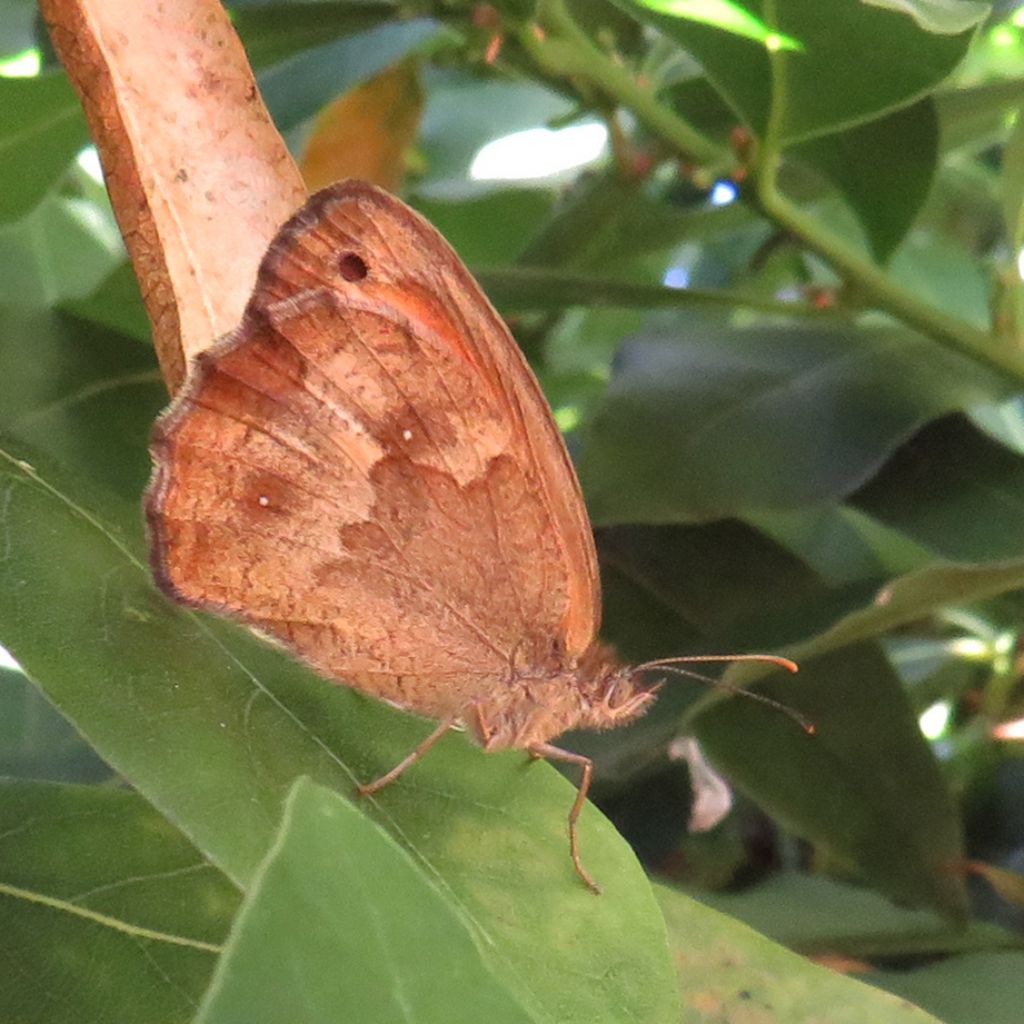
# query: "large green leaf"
{"type": "Point", "coordinates": [865, 786]}
{"type": "Point", "coordinates": [41, 130]}
{"type": "Point", "coordinates": [341, 924]}
{"type": "Point", "coordinates": [820, 916]}
{"type": "Point", "coordinates": [103, 899]}
{"type": "Point", "coordinates": [971, 989]}
{"type": "Point", "coordinates": [854, 62]}
{"type": "Point", "coordinates": [712, 423]}
{"type": "Point", "coordinates": [728, 972]}
{"type": "Point", "coordinates": [213, 727]}
{"type": "Point", "coordinates": [954, 490]}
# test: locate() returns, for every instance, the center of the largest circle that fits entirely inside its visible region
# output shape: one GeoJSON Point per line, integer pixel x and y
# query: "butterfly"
{"type": "Point", "coordinates": [367, 471]}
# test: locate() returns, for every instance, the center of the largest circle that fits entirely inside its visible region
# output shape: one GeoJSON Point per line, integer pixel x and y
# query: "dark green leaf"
{"type": "Point", "coordinates": [102, 898]}
{"type": "Point", "coordinates": [884, 170]}
{"type": "Point", "coordinates": [817, 915]}
{"type": "Point", "coordinates": [711, 423]}
{"type": "Point", "coordinates": [954, 490]}
{"type": "Point", "coordinates": [341, 924]}
{"type": "Point", "coordinates": [865, 786]}
{"type": "Point", "coordinates": [491, 228]}
{"type": "Point", "coordinates": [854, 63]}
{"type": "Point", "coordinates": [82, 393]}
{"type": "Point", "coordinates": [904, 600]}
{"type": "Point", "coordinates": [116, 304]}
{"type": "Point", "coordinates": [273, 31]}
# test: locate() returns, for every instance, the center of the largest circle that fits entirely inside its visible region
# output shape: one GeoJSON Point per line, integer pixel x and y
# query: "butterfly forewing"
{"type": "Point", "coordinates": [367, 470]}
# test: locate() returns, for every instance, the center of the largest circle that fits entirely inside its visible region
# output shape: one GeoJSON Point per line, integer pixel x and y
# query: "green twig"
{"type": "Point", "coordinates": [567, 51]}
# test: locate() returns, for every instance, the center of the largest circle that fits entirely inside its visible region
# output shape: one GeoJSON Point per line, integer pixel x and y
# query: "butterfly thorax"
{"type": "Point", "coordinates": [595, 692]}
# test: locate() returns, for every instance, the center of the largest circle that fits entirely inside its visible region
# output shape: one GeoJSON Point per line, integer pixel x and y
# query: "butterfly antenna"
{"type": "Point", "coordinates": [673, 665]}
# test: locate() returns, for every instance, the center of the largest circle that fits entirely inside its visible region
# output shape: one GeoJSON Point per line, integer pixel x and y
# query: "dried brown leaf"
{"type": "Point", "coordinates": [198, 176]}
{"type": "Point", "coordinates": [367, 132]}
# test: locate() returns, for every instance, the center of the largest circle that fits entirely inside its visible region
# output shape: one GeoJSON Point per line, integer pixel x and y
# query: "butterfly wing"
{"type": "Point", "coordinates": [367, 470]}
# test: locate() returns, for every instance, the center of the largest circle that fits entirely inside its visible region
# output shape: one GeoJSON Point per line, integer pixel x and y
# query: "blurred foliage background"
{"type": "Point", "coordinates": [766, 259]}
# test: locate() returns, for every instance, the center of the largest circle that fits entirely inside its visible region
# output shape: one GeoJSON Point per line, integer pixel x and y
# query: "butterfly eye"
{"type": "Point", "coordinates": [352, 266]}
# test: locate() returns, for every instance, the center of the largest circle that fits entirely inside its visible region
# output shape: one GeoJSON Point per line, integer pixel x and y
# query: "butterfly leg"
{"type": "Point", "coordinates": [552, 753]}
{"type": "Point", "coordinates": [365, 789]}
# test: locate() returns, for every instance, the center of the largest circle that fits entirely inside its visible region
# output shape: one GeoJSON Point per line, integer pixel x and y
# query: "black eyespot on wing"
{"type": "Point", "coordinates": [352, 266]}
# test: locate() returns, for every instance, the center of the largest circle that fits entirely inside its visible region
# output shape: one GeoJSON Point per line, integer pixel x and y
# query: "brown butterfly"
{"type": "Point", "coordinates": [366, 470]}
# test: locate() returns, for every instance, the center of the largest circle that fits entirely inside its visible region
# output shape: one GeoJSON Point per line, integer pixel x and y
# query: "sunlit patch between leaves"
{"type": "Point", "coordinates": [567, 417]}
{"type": "Point", "coordinates": [21, 65]}
{"type": "Point", "coordinates": [934, 720]}
{"type": "Point", "coordinates": [723, 193]}
{"type": "Point", "coordinates": [89, 160]}
{"type": "Point", "coordinates": [8, 661]}
{"type": "Point", "coordinates": [539, 152]}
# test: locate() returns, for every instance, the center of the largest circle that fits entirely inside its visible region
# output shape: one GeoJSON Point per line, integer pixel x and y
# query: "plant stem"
{"type": "Point", "coordinates": [567, 51]}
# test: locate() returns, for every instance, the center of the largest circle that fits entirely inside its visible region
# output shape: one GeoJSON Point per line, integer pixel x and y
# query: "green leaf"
{"type": "Point", "coordinates": [884, 170]}
{"type": "Point", "coordinates": [976, 116]}
{"type": "Point", "coordinates": [272, 32]}
{"type": "Point", "coordinates": [1012, 189]}
{"type": "Point", "coordinates": [35, 742]}
{"type": "Point", "coordinates": [115, 303]}
{"type": "Point", "coordinates": [968, 989]}
{"type": "Point", "coordinates": [296, 87]}
{"type": "Point", "coordinates": [816, 915]}
{"type": "Point", "coordinates": [714, 422]}
{"type": "Point", "coordinates": [723, 14]}
{"type": "Point", "coordinates": [904, 600]}
{"type": "Point", "coordinates": [865, 786]}
{"type": "Point", "coordinates": [491, 228]}
{"type": "Point", "coordinates": [41, 131]}
{"type": "Point", "coordinates": [947, 17]}
{"type": "Point", "coordinates": [54, 254]}
{"type": "Point", "coordinates": [954, 490]}
{"type": "Point", "coordinates": [16, 26]}
{"type": "Point", "coordinates": [77, 383]}
{"type": "Point", "coordinates": [517, 289]}
{"type": "Point", "coordinates": [213, 727]}
{"type": "Point", "coordinates": [729, 972]}
{"type": "Point", "coordinates": [854, 63]}
{"type": "Point", "coordinates": [104, 899]}
{"type": "Point", "coordinates": [341, 924]}
{"type": "Point", "coordinates": [465, 113]}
